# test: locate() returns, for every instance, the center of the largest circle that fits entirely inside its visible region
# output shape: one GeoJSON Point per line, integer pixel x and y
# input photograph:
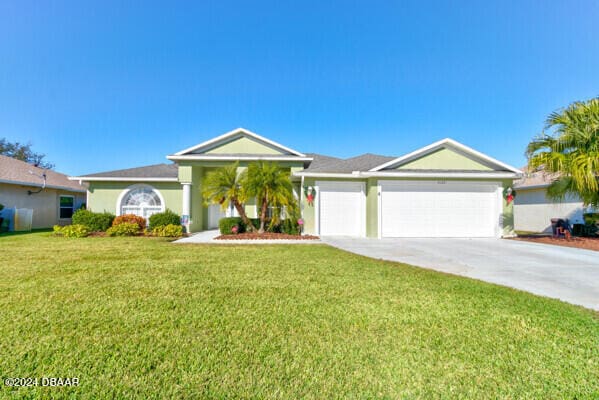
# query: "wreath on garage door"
{"type": "Point", "coordinates": [509, 194]}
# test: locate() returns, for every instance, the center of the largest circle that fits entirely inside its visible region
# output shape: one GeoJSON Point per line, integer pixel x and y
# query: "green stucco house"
{"type": "Point", "coordinates": [445, 189]}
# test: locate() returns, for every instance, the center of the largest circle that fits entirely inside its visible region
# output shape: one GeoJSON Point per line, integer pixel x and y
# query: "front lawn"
{"type": "Point", "coordinates": [144, 318]}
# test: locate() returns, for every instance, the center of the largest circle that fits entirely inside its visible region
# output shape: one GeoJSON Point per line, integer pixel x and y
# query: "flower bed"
{"type": "Point", "coordinates": [266, 236]}
{"type": "Point", "coordinates": [578, 242]}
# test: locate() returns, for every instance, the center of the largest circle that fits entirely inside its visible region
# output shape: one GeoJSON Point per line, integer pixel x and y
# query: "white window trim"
{"type": "Point", "coordinates": [122, 195]}
{"type": "Point", "coordinates": [59, 206]}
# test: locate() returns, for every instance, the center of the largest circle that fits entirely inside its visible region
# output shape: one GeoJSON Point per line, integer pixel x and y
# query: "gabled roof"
{"type": "Point", "coordinates": [17, 172]}
{"type": "Point", "coordinates": [154, 173]}
{"type": "Point", "coordinates": [446, 143]}
{"type": "Point", "coordinates": [198, 151]}
{"type": "Point", "coordinates": [359, 163]}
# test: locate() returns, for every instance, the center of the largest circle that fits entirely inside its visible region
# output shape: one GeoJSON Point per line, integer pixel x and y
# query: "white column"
{"type": "Point", "coordinates": [186, 206]}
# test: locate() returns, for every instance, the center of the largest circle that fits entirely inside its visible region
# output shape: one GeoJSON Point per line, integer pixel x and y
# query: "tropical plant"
{"type": "Point", "coordinates": [223, 186]}
{"type": "Point", "coordinates": [570, 152]}
{"type": "Point", "coordinates": [271, 186]}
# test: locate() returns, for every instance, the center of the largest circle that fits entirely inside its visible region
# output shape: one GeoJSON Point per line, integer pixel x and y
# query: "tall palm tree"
{"type": "Point", "coordinates": [570, 151]}
{"type": "Point", "coordinates": [271, 186]}
{"type": "Point", "coordinates": [224, 186]}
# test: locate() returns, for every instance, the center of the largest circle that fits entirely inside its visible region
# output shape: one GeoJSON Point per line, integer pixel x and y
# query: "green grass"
{"type": "Point", "coordinates": [144, 318]}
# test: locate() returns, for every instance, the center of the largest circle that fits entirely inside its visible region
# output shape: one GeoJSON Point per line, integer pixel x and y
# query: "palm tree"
{"type": "Point", "coordinates": [224, 186]}
{"type": "Point", "coordinates": [271, 186]}
{"type": "Point", "coordinates": [570, 152]}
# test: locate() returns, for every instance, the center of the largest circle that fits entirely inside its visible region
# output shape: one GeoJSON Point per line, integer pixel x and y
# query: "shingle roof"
{"type": "Point", "coordinates": [149, 171]}
{"type": "Point", "coordinates": [320, 160]}
{"type": "Point", "coordinates": [17, 172]}
{"type": "Point", "coordinates": [363, 162]}
{"type": "Point", "coordinates": [534, 179]}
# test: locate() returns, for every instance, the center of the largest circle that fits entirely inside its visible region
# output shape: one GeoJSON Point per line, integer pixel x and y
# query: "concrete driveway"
{"type": "Point", "coordinates": [564, 273]}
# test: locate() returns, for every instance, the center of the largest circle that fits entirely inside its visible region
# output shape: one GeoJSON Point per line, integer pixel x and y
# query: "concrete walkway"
{"type": "Point", "coordinates": [564, 273]}
{"type": "Point", "coordinates": [207, 237]}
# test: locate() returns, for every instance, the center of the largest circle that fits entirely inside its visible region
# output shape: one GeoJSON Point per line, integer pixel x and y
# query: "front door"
{"type": "Point", "coordinates": [215, 213]}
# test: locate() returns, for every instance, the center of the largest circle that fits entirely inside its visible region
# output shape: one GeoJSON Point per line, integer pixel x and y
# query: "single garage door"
{"type": "Point", "coordinates": [439, 209]}
{"type": "Point", "coordinates": [341, 208]}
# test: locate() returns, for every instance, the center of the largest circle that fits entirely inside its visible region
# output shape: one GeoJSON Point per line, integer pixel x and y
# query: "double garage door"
{"type": "Point", "coordinates": [411, 209]}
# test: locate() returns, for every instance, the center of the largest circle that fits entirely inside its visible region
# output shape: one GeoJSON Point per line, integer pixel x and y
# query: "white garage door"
{"type": "Point", "coordinates": [341, 208]}
{"type": "Point", "coordinates": [439, 209]}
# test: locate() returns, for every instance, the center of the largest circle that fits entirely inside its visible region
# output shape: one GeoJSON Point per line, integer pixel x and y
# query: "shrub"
{"type": "Point", "coordinates": [94, 221]}
{"type": "Point", "coordinates": [164, 218]}
{"type": "Point", "coordinates": [255, 222]}
{"type": "Point", "coordinates": [591, 218]}
{"type": "Point", "coordinates": [290, 226]}
{"type": "Point", "coordinates": [71, 231]}
{"type": "Point", "coordinates": [169, 230]}
{"type": "Point", "coordinates": [1, 207]}
{"type": "Point", "coordinates": [132, 219]}
{"type": "Point", "coordinates": [123, 229]}
{"type": "Point", "coordinates": [225, 225]}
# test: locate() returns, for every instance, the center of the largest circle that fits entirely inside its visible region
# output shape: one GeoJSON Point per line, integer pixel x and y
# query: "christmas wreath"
{"type": "Point", "coordinates": [310, 194]}
{"type": "Point", "coordinates": [509, 194]}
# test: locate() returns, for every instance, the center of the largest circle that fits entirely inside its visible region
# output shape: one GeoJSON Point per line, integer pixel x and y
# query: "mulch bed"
{"type": "Point", "coordinates": [266, 236]}
{"type": "Point", "coordinates": [587, 243]}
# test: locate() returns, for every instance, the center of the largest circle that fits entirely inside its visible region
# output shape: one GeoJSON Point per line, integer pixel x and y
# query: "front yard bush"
{"type": "Point", "coordinates": [164, 218]}
{"type": "Point", "coordinates": [132, 219]}
{"type": "Point", "coordinates": [71, 231]}
{"type": "Point", "coordinates": [591, 218]}
{"type": "Point", "coordinates": [123, 229]}
{"type": "Point", "coordinates": [94, 221]}
{"type": "Point", "coordinates": [289, 226]}
{"type": "Point", "coordinates": [169, 230]}
{"type": "Point", "coordinates": [225, 225]}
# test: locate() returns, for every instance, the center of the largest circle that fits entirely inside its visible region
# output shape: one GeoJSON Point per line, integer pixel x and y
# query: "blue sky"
{"type": "Point", "coordinates": [100, 86]}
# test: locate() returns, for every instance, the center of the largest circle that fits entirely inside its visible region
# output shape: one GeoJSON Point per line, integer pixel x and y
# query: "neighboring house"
{"type": "Point", "coordinates": [21, 186]}
{"type": "Point", "coordinates": [533, 210]}
{"type": "Point", "coordinates": [442, 190]}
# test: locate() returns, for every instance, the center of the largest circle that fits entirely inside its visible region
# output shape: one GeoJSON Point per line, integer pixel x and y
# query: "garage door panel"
{"type": "Point", "coordinates": [341, 209]}
{"type": "Point", "coordinates": [456, 209]}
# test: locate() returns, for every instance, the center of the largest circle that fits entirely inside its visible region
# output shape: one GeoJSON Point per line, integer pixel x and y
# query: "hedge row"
{"type": "Point", "coordinates": [287, 226]}
{"type": "Point", "coordinates": [101, 222]}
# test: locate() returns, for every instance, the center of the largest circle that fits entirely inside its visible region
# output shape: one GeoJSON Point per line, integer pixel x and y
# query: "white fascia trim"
{"type": "Point", "coordinates": [201, 157]}
{"type": "Point", "coordinates": [399, 174]}
{"type": "Point", "coordinates": [391, 174]}
{"type": "Point", "coordinates": [453, 143]}
{"type": "Point", "coordinates": [235, 132]}
{"type": "Point", "coordinates": [23, 183]}
{"type": "Point", "coordinates": [120, 179]}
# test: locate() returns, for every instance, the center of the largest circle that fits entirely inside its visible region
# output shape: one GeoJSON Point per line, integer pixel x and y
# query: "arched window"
{"type": "Point", "coordinates": [142, 200]}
